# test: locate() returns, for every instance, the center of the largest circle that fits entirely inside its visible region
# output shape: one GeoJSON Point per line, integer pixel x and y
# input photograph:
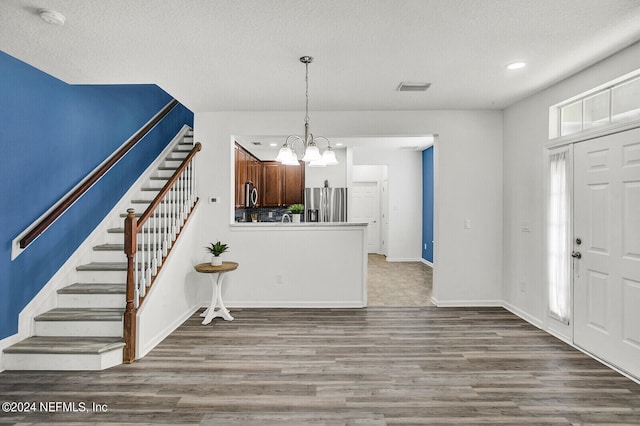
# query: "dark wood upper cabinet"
{"type": "Point", "coordinates": [271, 184]}
{"type": "Point", "coordinates": [278, 185]}
{"type": "Point", "coordinates": [282, 185]}
{"type": "Point", "coordinates": [293, 191]}
{"type": "Point", "coordinates": [247, 168]}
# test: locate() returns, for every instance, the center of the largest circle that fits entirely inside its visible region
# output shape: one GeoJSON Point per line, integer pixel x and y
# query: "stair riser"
{"type": "Point", "coordinates": [155, 183]}
{"type": "Point", "coordinates": [118, 238]}
{"type": "Point", "coordinates": [108, 256]}
{"type": "Point", "coordinates": [91, 300]}
{"type": "Point", "coordinates": [165, 173]}
{"type": "Point", "coordinates": [79, 328]}
{"type": "Point", "coordinates": [111, 277]}
{"type": "Point", "coordinates": [63, 362]}
{"type": "Point", "coordinates": [117, 256]}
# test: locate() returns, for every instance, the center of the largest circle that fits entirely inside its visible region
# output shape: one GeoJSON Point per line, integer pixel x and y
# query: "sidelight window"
{"type": "Point", "coordinates": [558, 237]}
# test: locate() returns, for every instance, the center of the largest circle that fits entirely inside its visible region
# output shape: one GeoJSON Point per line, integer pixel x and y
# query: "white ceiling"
{"type": "Point", "coordinates": [243, 54]}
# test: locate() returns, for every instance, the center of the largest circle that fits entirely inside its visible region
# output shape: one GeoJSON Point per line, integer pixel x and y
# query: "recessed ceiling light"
{"type": "Point", "coordinates": [51, 16]}
{"type": "Point", "coordinates": [273, 144]}
{"type": "Point", "coordinates": [339, 144]}
{"type": "Point", "coordinates": [516, 65]}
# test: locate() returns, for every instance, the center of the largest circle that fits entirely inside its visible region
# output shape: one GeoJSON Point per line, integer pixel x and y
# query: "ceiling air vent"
{"type": "Point", "coordinates": [257, 143]}
{"type": "Point", "coordinates": [413, 87]}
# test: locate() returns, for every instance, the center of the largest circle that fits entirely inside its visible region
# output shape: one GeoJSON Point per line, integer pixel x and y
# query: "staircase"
{"type": "Point", "coordinates": [85, 331]}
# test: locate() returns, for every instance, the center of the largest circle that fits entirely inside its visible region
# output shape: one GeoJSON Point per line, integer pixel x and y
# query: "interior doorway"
{"type": "Point", "coordinates": [369, 204]}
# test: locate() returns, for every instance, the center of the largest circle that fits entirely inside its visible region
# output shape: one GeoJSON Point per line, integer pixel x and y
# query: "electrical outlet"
{"type": "Point", "coordinates": [213, 200]}
{"type": "Point", "coordinates": [279, 279]}
{"type": "Point", "coordinates": [467, 224]}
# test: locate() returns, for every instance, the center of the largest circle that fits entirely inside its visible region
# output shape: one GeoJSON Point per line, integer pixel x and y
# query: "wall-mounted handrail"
{"type": "Point", "coordinates": [90, 180]}
{"type": "Point", "coordinates": [159, 226]}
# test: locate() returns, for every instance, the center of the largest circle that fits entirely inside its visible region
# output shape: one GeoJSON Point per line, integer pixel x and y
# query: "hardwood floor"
{"type": "Point", "coordinates": [374, 366]}
{"type": "Point", "coordinates": [398, 283]}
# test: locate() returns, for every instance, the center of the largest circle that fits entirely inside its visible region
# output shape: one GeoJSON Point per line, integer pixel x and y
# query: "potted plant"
{"type": "Point", "coordinates": [216, 250]}
{"type": "Point", "coordinates": [296, 210]}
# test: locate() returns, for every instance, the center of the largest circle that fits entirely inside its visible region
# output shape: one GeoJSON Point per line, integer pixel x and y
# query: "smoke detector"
{"type": "Point", "coordinates": [413, 87]}
{"type": "Point", "coordinates": [51, 16]}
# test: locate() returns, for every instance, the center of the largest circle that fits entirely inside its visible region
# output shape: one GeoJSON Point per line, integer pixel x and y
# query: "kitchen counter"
{"type": "Point", "coordinates": [304, 265]}
{"type": "Point", "coordinates": [307, 225]}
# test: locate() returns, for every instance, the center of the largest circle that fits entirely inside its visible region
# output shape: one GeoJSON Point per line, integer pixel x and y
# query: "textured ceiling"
{"type": "Point", "coordinates": [243, 54]}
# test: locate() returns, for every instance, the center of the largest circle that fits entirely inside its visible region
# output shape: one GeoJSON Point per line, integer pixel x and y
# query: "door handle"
{"type": "Point", "coordinates": [576, 254]}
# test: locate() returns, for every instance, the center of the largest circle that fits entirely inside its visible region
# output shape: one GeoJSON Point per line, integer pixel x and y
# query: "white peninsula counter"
{"type": "Point", "coordinates": [307, 265]}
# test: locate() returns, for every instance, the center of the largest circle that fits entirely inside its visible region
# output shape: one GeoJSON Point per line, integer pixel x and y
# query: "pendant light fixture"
{"type": "Point", "coordinates": [310, 151]}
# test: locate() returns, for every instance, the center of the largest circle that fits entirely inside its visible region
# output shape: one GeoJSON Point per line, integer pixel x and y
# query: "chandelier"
{"type": "Point", "coordinates": [310, 151]}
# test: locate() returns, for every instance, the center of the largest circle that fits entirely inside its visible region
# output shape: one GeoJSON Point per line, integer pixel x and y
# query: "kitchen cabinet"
{"type": "Point", "coordinates": [293, 191]}
{"type": "Point", "coordinates": [247, 168]}
{"type": "Point", "coordinates": [271, 184]}
{"type": "Point", "coordinates": [282, 185]}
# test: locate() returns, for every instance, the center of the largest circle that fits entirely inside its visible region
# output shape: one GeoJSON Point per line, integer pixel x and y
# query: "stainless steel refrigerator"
{"type": "Point", "coordinates": [325, 204]}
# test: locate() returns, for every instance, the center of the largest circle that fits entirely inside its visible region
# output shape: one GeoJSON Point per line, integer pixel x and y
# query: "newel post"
{"type": "Point", "coordinates": [130, 248]}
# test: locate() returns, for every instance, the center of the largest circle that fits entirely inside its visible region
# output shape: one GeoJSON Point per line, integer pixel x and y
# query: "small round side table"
{"type": "Point", "coordinates": [216, 294]}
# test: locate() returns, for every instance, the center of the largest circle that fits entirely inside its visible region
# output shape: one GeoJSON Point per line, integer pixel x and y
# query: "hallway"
{"type": "Point", "coordinates": [398, 283]}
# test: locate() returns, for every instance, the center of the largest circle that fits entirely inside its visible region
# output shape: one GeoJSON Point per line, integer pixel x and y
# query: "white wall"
{"type": "Point", "coordinates": [176, 293]}
{"type": "Point", "coordinates": [314, 177]}
{"type": "Point", "coordinates": [468, 156]}
{"type": "Point", "coordinates": [319, 265]}
{"type": "Point", "coordinates": [526, 126]}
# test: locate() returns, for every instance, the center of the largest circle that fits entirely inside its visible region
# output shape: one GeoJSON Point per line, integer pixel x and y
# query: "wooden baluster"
{"type": "Point", "coordinates": [130, 249]}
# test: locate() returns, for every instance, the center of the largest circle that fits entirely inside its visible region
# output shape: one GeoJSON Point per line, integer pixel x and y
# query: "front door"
{"type": "Point", "coordinates": [607, 248]}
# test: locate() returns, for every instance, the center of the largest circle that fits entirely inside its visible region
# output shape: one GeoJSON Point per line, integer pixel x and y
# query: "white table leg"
{"type": "Point", "coordinates": [216, 297]}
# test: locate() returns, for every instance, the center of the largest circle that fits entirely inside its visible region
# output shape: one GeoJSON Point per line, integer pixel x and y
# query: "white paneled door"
{"type": "Point", "coordinates": [365, 205]}
{"type": "Point", "coordinates": [607, 248]}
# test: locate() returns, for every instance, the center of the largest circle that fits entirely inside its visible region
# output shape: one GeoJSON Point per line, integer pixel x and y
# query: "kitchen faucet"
{"type": "Point", "coordinates": [287, 216]}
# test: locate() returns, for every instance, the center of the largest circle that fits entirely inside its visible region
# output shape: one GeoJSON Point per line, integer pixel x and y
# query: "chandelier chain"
{"type": "Point", "coordinates": [306, 93]}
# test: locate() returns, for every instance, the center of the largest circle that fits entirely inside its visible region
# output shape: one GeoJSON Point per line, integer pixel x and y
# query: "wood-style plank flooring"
{"type": "Point", "coordinates": [374, 366]}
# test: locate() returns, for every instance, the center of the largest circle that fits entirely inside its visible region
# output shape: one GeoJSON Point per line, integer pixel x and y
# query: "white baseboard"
{"type": "Point", "coordinates": [468, 303]}
{"type": "Point", "coordinates": [289, 304]}
{"type": "Point", "coordinates": [525, 316]}
{"type": "Point", "coordinates": [149, 345]}
{"type": "Point", "coordinates": [426, 262]}
{"type": "Point", "coordinates": [404, 259]}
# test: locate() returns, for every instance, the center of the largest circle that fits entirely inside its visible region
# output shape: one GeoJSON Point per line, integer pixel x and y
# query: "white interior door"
{"type": "Point", "coordinates": [365, 204]}
{"type": "Point", "coordinates": [607, 223]}
{"type": "Point", "coordinates": [384, 217]}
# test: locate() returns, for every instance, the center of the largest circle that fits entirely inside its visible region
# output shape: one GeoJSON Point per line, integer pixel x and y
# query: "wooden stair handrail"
{"type": "Point", "coordinates": [68, 201]}
{"type": "Point", "coordinates": [131, 228]}
{"type": "Point", "coordinates": [167, 186]}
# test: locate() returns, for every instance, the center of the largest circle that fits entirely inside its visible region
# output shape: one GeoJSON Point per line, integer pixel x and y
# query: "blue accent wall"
{"type": "Point", "coordinates": [427, 204]}
{"type": "Point", "coordinates": [52, 135]}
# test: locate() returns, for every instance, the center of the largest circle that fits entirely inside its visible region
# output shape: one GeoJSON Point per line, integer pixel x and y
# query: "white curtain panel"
{"type": "Point", "coordinates": [558, 238]}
